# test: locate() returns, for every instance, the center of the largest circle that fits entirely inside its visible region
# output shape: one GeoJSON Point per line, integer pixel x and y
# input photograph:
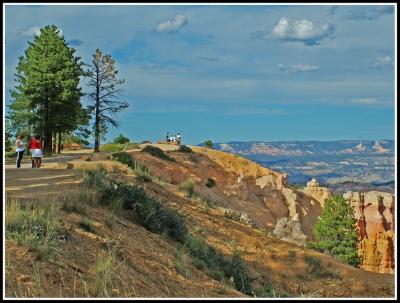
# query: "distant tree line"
{"type": "Point", "coordinates": [47, 99]}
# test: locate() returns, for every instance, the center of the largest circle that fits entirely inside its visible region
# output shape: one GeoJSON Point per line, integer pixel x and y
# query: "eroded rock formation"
{"type": "Point", "coordinates": [317, 192]}
{"type": "Point", "coordinates": [290, 231]}
{"type": "Point", "coordinates": [374, 212]}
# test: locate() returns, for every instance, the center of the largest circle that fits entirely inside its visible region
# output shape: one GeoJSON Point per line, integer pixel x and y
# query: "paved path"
{"type": "Point", "coordinates": [63, 158]}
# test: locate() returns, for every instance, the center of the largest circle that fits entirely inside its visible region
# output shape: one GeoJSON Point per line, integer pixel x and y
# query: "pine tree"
{"type": "Point", "coordinates": [47, 96]}
{"type": "Point", "coordinates": [336, 231]}
{"type": "Point", "coordinates": [105, 94]}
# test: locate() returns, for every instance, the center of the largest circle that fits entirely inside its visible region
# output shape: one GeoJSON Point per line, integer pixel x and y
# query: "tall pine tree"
{"type": "Point", "coordinates": [105, 94]}
{"type": "Point", "coordinates": [336, 231]}
{"type": "Point", "coordinates": [47, 96]}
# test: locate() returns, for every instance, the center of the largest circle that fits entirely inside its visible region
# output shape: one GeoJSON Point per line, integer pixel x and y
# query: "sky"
{"type": "Point", "coordinates": [233, 72]}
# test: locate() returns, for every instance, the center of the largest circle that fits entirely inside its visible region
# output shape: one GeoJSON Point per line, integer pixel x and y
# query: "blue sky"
{"type": "Point", "coordinates": [234, 73]}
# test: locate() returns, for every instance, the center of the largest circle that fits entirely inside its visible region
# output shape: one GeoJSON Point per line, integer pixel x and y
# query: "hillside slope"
{"type": "Point", "coordinates": [149, 265]}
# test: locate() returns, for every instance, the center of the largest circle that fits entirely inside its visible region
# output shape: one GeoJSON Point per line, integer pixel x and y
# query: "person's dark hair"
{"type": "Point", "coordinates": [37, 137]}
{"type": "Point", "coordinates": [20, 136]}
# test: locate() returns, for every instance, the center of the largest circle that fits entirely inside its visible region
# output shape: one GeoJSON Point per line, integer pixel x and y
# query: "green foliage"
{"type": "Point", "coordinates": [158, 153]}
{"type": "Point", "coordinates": [131, 145]}
{"type": "Point", "coordinates": [86, 224]}
{"type": "Point", "coordinates": [336, 232]}
{"type": "Point", "coordinates": [185, 149]}
{"type": "Point", "coordinates": [208, 143]}
{"type": "Point", "coordinates": [316, 269]}
{"type": "Point", "coordinates": [181, 262]}
{"type": "Point", "coordinates": [147, 211]}
{"type": "Point", "coordinates": [112, 147]}
{"type": "Point", "coordinates": [145, 141]}
{"type": "Point", "coordinates": [265, 291]}
{"type": "Point", "coordinates": [47, 96]}
{"type": "Point", "coordinates": [124, 158]}
{"type": "Point", "coordinates": [217, 266]}
{"type": "Point", "coordinates": [121, 139]}
{"type": "Point", "coordinates": [36, 225]}
{"type": "Point", "coordinates": [210, 182]}
{"type": "Point", "coordinates": [95, 178]}
{"type": "Point", "coordinates": [188, 187]}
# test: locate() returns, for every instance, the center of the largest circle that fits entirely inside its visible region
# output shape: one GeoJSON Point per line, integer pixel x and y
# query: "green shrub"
{"type": "Point", "coordinates": [112, 147]}
{"type": "Point", "coordinates": [265, 291]}
{"type": "Point", "coordinates": [95, 178]}
{"type": "Point", "coordinates": [210, 182]}
{"type": "Point", "coordinates": [124, 158]}
{"type": "Point", "coordinates": [86, 224]}
{"type": "Point", "coordinates": [208, 143]}
{"type": "Point", "coordinates": [241, 277]}
{"type": "Point", "coordinates": [35, 224]}
{"type": "Point", "coordinates": [181, 260]}
{"type": "Point", "coordinates": [72, 204]}
{"type": "Point", "coordinates": [131, 145]}
{"type": "Point", "coordinates": [205, 256]}
{"type": "Point", "coordinates": [145, 142]}
{"type": "Point", "coordinates": [185, 149]}
{"type": "Point", "coordinates": [121, 139]}
{"type": "Point", "coordinates": [188, 187]}
{"type": "Point", "coordinates": [316, 269]}
{"type": "Point", "coordinates": [147, 211]}
{"type": "Point", "coordinates": [158, 153]}
{"type": "Point", "coordinates": [10, 155]}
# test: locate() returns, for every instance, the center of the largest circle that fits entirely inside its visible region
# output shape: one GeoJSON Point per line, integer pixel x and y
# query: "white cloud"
{"type": "Point", "coordinates": [382, 61]}
{"type": "Point", "coordinates": [172, 25]}
{"type": "Point", "coordinates": [34, 31]}
{"type": "Point", "coordinates": [301, 30]}
{"type": "Point", "coordinates": [30, 32]}
{"type": "Point", "coordinates": [300, 67]}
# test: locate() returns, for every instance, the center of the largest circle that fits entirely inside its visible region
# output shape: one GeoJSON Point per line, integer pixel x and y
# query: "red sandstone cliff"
{"type": "Point", "coordinates": [374, 212]}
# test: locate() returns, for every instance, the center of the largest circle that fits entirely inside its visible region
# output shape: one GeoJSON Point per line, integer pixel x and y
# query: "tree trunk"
{"type": "Point", "coordinates": [54, 141]}
{"type": "Point", "coordinates": [97, 113]}
{"type": "Point", "coordinates": [48, 141]}
{"type": "Point", "coordinates": [59, 143]}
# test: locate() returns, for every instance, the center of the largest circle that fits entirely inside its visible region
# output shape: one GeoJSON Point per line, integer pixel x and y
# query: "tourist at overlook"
{"type": "Point", "coordinates": [19, 149]}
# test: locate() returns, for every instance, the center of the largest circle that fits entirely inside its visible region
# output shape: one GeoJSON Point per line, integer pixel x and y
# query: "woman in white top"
{"type": "Point", "coordinates": [19, 148]}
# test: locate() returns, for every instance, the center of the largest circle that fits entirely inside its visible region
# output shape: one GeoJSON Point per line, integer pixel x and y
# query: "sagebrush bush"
{"type": "Point", "coordinates": [218, 267]}
{"type": "Point", "coordinates": [147, 211]}
{"type": "Point", "coordinates": [210, 182]}
{"type": "Point", "coordinates": [158, 153]}
{"type": "Point", "coordinates": [95, 178]}
{"type": "Point", "coordinates": [131, 145]}
{"type": "Point", "coordinates": [315, 267]}
{"type": "Point", "coordinates": [86, 224]}
{"type": "Point", "coordinates": [188, 187]}
{"type": "Point", "coordinates": [124, 158]}
{"type": "Point", "coordinates": [185, 149]}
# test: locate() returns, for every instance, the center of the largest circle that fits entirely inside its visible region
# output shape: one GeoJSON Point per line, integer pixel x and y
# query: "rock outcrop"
{"type": "Point", "coordinates": [374, 212]}
{"type": "Point", "coordinates": [290, 231]}
{"type": "Point", "coordinates": [317, 192]}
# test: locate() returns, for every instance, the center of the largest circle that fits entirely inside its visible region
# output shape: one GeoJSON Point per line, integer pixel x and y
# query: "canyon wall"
{"type": "Point", "coordinates": [374, 212]}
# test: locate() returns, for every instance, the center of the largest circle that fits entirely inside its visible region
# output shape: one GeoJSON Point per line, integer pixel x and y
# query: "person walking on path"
{"type": "Point", "coordinates": [19, 149]}
{"type": "Point", "coordinates": [31, 145]}
{"type": "Point", "coordinates": [37, 152]}
{"type": "Point", "coordinates": [178, 139]}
